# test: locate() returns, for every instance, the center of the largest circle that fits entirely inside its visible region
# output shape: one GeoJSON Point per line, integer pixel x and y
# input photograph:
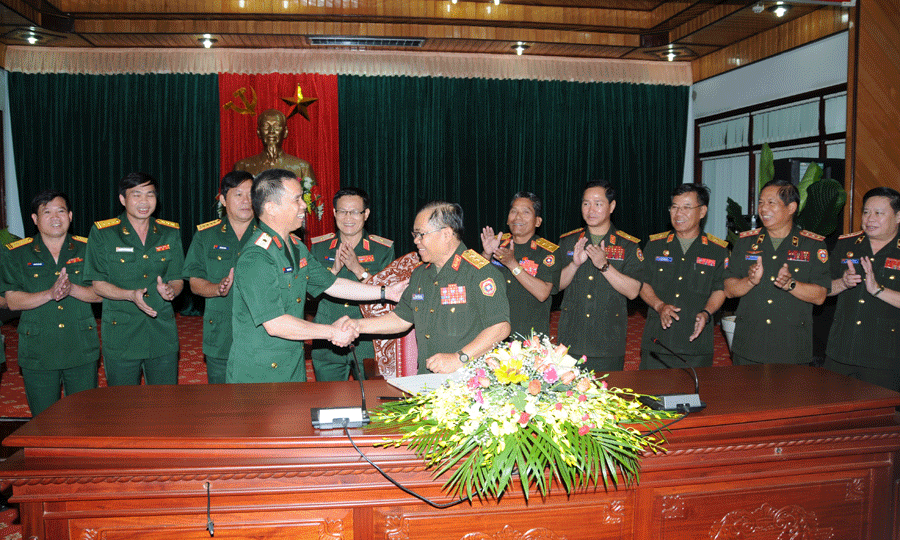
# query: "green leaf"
{"type": "Point", "coordinates": [766, 166]}
{"type": "Point", "coordinates": [824, 209]}
{"type": "Point", "coordinates": [812, 175]}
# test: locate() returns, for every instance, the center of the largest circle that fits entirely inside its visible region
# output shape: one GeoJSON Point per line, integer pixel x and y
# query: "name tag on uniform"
{"type": "Point", "coordinates": [495, 262]}
{"type": "Point", "coordinates": [219, 247]}
{"type": "Point", "coordinates": [797, 255]}
{"type": "Point", "coordinates": [750, 257]}
{"type": "Point", "coordinates": [706, 262]}
{"type": "Point", "coordinates": [453, 294]}
{"type": "Point", "coordinates": [287, 270]}
{"type": "Point", "coordinates": [329, 259]}
{"type": "Point", "coordinates": [616, 253]}
{"type": "Point", "coordinates": [663, 259]}
{"type": "Point", "coordinates": [418, 296]}
{"type": "Point", "coordinates": [302, 263]}
{"type": "Point", "coordinates": [892, 264]}
{"type": "Point", "coordinates": [124, 250]}
{"type": "Point", "coordinates": [35, 264]}
{"type": "Point", "coordinates": [845, 261]}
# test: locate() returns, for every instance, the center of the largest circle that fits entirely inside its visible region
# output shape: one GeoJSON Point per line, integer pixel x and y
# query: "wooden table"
{"type": "Point", "coordinates": [779, 450]}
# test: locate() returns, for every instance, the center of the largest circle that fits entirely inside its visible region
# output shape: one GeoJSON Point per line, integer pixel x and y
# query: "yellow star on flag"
{"type": "Point", "coordinates": [299, 104]}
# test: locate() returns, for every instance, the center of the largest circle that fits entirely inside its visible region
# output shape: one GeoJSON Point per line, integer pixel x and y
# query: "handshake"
{"type": "Point", "coordinates": [344, 331]}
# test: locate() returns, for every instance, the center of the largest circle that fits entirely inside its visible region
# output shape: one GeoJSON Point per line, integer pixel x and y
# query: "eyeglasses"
{"type": "Point", "coordinates": [675, 208]}
{"type": "Point", "coordinates": [345, 213]}
{"type": "Point", "coordinates": [420, 235]}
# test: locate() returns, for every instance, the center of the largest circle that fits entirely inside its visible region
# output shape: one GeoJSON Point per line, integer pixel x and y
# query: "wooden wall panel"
{"type": "Point", "coordinates": [873, 104]}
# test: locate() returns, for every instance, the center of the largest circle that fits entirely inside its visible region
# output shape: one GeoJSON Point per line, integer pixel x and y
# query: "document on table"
{"type": "Point", "coordinates": [422, 384]}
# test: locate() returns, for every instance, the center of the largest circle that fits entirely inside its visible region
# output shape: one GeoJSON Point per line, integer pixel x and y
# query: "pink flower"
{"type": "Point", "coordinates": [583, 385]}
{"type": "Point", "coordinates": [550, 375]}
{"type": "Point", "coordinates": [582, 398]}
{"type": "Point", "coordinates": [603, 385]}
{"type": "Point", "coordinates": [478, 397]}
{"type": "Point", "coordinates": [527, 343]}
{"type": "Point", "coordinates": [584, 430]}
{"type": "Point", "coordinates": [568, 377]}
{"type": "Point", "coordinates": [524, 418]}
{"type": "Point", "coordinates": [534, 387]}
{"type": "Point", "coordinates": [569, 393]}
{"type": "Point", "coordinates": [558, 406]}
{"type": "Point", "coordinates": [484, 382]}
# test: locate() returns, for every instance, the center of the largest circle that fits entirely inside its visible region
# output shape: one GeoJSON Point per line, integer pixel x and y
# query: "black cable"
{"type": "Point", "coordinates": [210, 526]}
{"type": "Point", "coordinates": [391, 480]}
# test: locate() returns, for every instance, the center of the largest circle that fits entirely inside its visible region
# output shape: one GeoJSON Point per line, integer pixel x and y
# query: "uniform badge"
{"type": "Point", "coordinates": [120, 249]}
{"type": "Point", "coordinates": [217, 246]}
{"type": "Point", "coordinates": [333, 243]}
{"type": "Point", "coordinates": [165, 247]}
{"type": "Point", "coordinates": [822, 255]}
{"type": "Point", "coordinates": [892, 264]}
{"type": "Point", "coordinates": [705, 261]}
{"type": "Point", "coordinates": [726, 262]}
{"type": "Point", "coordinates": [366, 244]}
{"type": "Point", "coordinates": [287, 269]}
{"type": "Point", "coordinates": [263, 241]}
{"type": "Point", "coordinates": [640, 255]}
{"type": "Point", "coordinates": [754, 247]}
{"type": "Point", "coordinates": [301, 263]}
{"type": "Point", "coordinates": [534, 245]}
{"type": "Point", "coordinates": [529, 266]}
{"type": "Point", "coordinates": [453, 294]}
{"type": "Point", "coordinates": [612, 239]}
{"type": "Point", "coordinates": [75, 260]}
{"type": "Point", "coordinates": [277, 242]}
{"type": "Point", "coordinates": [664, 259]}
{"type": "Point", "coordinates": [704, 241]}
{"type": "Point", "coordinates": [845, 261]}
{"type": "Point", "coordinates": [366, 258]}
{"type": "Point", "coordinates": [35, 264]}
{"type": "Point", "coordinates": [801, 256]}
{"type": "Point", "coordinates": [456, 260]}
{"type": "Point", "coordinates": [751, 257]}
{"type": "Point", "coordinates": [488, 287]}
{"type": "Point", "coordinates": [549, 260]}
{"type": "Point", "coordinates": [418, 296]}
{"type": "Point", "coordinates": [616, 253]}
{"type": "Point", "coordinates": [666, 253]}
{"type": "Point", "coordinates": [795, 241]}
{"type": "Point", "coordinates": [849, 254]}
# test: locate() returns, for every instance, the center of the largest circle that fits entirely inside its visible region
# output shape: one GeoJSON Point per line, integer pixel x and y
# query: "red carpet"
{"type": "Point", "coordinates": [192, 369]}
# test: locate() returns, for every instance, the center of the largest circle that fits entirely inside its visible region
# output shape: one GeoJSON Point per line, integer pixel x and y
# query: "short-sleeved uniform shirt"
{"type": "Point", "coordinates": [115, 255]}
{"type": "Point", "coordinates": [56, 335]}
{"type": "Point", "coordinates": [684, 280]}
{"type": "Point", "coordinates": [373, 252]}
{"type": "Point", "coordinates": [213, 253]}
{"type": "Point", "coordinates": [271, 279]}
{"type": "Point", "coordinates": [450, 307]}
{"type": "Point", "coordinates": [538, 257]}
{"type": "Point", "coordinates": [866, 329]}
{"type": "Point", "coordinates": [594, 316]}
{"type": "Point", "coordinates": [771, 325]}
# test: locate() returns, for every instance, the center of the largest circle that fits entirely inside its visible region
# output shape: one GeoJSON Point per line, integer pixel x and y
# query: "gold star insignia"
{"type": "Point", "coordinates": [299, 104]}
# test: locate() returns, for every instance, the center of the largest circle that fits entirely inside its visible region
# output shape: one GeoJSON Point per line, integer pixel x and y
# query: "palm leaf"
{"type": "Point", "coordinates": [811, 176]}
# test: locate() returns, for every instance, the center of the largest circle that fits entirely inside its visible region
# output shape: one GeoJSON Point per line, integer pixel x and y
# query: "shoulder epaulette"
{"type": "Point", "coordinates": [322, 238]}
{"type": "Point", "coordinates": [716, 240]}
{"type": "Point", "coordinates": [751, 232]}
{"type": "Point", "coordinates": [546, 244]}
{"type": "Point", "coordinates": [810, 234]}
{"type": "Point", "coordinates": [171, 224]}
{"type": "Point", "coordinates": [107, 223]}
{"type": "Point", "coordinates": [381, 240]}
{"type": "Point", "coordinates": [264, 241]}
{"type": "Point", "coordinates": [295, 239]}
{"type": "Point", "coordinates": [627, 236]}
{"type": "Point", "coordinates": [572, 232]}
{"type": "Point", "coordinates": [81, 239]}
{"type": "Point", "coordinates": [850, 235]}
{"type": "Point", "coordinates": [474, 258]}
{"type": "Point", "coordinates": [19, 243]}
{"type": "Point", "coordinates": [208, 224]}
{"type": "Point", "coordinates": [658, 236]}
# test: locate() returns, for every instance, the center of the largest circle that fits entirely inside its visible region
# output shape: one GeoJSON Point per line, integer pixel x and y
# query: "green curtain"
{"type": "Point", "coordinates": [408, 140]}
{"type": "Point", "coordinates": [82, 133]}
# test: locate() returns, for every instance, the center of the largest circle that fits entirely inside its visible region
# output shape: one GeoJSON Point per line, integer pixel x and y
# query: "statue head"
{"type": "Point", "coordinates": [271, 127]}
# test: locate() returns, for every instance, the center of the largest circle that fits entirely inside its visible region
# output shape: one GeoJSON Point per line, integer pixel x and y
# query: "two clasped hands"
{"type": "Point", "coordinates": [346, 330]}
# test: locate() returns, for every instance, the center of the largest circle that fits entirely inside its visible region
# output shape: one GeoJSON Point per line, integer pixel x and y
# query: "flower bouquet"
{"type": "Point", "coordinates": [527, 407]}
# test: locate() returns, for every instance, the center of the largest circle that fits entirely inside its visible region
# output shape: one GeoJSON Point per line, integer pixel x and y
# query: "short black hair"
{"type": "Point", "coordinates": [352, 192]}
{"type": "Point", "coordinates": [786, 191]}
{"type": "Point", "coordinates": [610, 191]}
{"type": "Point", "coordinates": [535, 201]}
{"type": "Point", "coordinates": [46, 196]}
{"type": "Point", "coordinates": [701, 192]}
{"type": "Point", "coordinates": [445, 214]}
{"type": "Point", "coordinates": [135, 179]}
{"type": "Point", "coordinates": [892, 194]}
{"type": "Point", "coordinates": [232, 180]}
{"type": "Point", "coordinates": [268, 186]}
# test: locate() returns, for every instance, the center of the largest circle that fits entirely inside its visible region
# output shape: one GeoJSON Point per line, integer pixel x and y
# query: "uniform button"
{"type": "Point", "coordinates": [453, 310]}
{"type": "Point", "coordinates": [210, 321]}
{"type": "Point", "coordinates": [219, 257]}
{"type": "Point", "coordinates": [298, 300]}
{"type": "Point", "coordinates": [588, 297]}
{"type": "Point", "coordinates": [587, 314]}
{"type": "Point", "coordinates": [774, 257]}
{"type": "Point", "coordinates": [861, 301]}
{"type": "Point", "coordinates": [679, 278]}
{"type": "Point", "coordinates": [769, 300]}
{"type": "Point", "coordinates": [274, 365]}
{"type": "Point", "coordinates": [508, 281]}
{"type": "Point", "coordinates": [677, 295]}
{"type": "Point", "coordinates": [123, 260]}
{"type": "Point", "coordinates": [346, 305]}
{"type": "Point", "coordinates": [590, 278]}
{"type": "Point", "coordinates": [35, 275]}
{"type": "Point", "coordinates": [796, 270]}
{"type": "Point", "coordinates": [702, 271]}
{"type": "Point", "coordinates": [891, 277]}
{"type": "Point", "coordinates": [162, 260]}
{"type": "Point", "coordinates": [57, 273]}
{"type": "Point", "coordinates": [430, 311]}
{"type": "Point", "coordinates": [61, 325]}
{"type": "Point", "coordinates": [115, 323]}
{"type": "Point", "coordinates": [145, 276]}
{"type": "Point", "coordinates": [858, 323]}
{"type": "Point", "coordinates": [660, 269]}
{"type": "Point", "coordinates": [59, 308]}
{"type": "Point", "coordinates": [772, 278]}
{"type": "Point", "coordinates": [435, 283]}
{"type": "Point", "coordinates": [145, 256]}
{"type": "Point", "coordinates": [427, 336]}
{"type": "Point", "coordinates": [768, 321]}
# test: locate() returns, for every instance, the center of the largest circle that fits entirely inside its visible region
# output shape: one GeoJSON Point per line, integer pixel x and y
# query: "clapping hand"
{"type": "Point", "coordinates": [871, 284]}
{"type": "Point", "coordinates": [755, 273]}
{"type": "Point", "coordinates": [166, 292]}
{"type": "Point", "coordinates": [597, 254]}
{"type": "Point", "coordinates": [347, 257]}
{"type": "Point", "coordinates": [579, 255]}
{"type": "Point", "coordinates": [783, 278]}
{"type": "Point", "coordinates": [490, 241]}
{"type": "Point", "coordinates": [62, 287]}
{"type": "Point", "coordinates": [225, 284]}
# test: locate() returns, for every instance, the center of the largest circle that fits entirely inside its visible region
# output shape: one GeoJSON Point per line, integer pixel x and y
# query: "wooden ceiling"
{"type": "Point", "coordinates": [622, 29]}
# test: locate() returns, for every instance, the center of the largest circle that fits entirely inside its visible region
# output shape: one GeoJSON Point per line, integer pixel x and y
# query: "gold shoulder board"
{"type": "Point", "coordinates": [81, 239]}
{"type": "Point", "coordinates": [322, 238]}
{"type": "Point", "coordinates": [19, 243]}
{"type": "Point", "coordinates": [810, 234]}
{"type": "Point", "coordinates": [171, 224]}
{"type": "Point", "coordinates": [658, 236]}
{"type": "Point", "coordinates": [474, 258]}
{"type": "Point", "coordinates": [850, 235]}
{"type": "Point", "coordinates": [381, 240]}
{"type": "Point", "coordinates": [627, 236]}
{"type": "Point", "coordinates": [208, 224]}
{"type": "Point", "coordinates": [751, 232]}
{"type": "Point", "coordinates": [547, 244]}
{"type": "Point", "coordinates": [716, 240]}
{"type": "Point", "coordinates": [572, 232]}
{"type": "Point", "coordinates": [107, 223]}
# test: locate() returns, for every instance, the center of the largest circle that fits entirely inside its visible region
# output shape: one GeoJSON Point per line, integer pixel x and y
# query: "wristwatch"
{"type": "Point", "coordinates": [364, 276]}
{"type": "Point", "coordinates": [605, 267]}
{"type": "Point", "coordinates": [463, 357]}
{"type": "Point", "coordinates": [879, 291]}
{"type": "Point", "coordinates": [792, 285]}
{"type": "Point", "coordinates": [517, 270]}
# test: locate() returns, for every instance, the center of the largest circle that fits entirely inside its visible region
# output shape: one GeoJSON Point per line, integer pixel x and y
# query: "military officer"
{"type": "Point", "coordinates": [273, 275]}
{"type": "Point", "coordinates": [683, 275]}
{"type": "Point", "coordinates": [210, 266]}
{"type": "Point", "coordinates": [135, 263]}
{"type": "Point", "coordinates": [527, 263]}
{"type": "Point", "coordinates": [456, 299]}
{"type": "Point", "coordinates": [600, 274]}
{"type": "Point", "coordinates": [354, 254]}
{"type": "Point", "coordinates": [43, 276]}
{"type": "Point", "coordinates": [865, 270]}
{"type": "Point", "coordinates": [778, 271]}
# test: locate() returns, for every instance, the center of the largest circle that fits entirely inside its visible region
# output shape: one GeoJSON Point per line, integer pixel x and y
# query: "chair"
{"type": "Point", "coordinates": [397, 357]}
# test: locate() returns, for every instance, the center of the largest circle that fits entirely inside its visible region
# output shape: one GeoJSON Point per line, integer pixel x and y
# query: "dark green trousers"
{"type": "Point", "coordinates": [215, 369]}
{"type": "Point", "coordinates": [42, 386]}
{"type": "Point", "coordinates": [123, 372]}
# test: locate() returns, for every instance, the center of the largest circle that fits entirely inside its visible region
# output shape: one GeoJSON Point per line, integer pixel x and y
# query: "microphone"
{"type": "Point", "coordinates": [340, 417]}
{"type": "Point", "coordinates": [675, 402]}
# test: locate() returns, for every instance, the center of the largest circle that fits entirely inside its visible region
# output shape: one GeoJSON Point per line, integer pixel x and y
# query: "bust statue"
{"type": "Point", "coordinates": [271, 127]}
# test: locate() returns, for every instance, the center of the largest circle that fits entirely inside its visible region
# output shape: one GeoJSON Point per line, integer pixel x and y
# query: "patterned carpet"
{"type": "Point", "coordinates": [192, 368]}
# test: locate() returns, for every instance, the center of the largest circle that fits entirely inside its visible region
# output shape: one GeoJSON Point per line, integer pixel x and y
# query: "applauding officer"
{"type": "Point", "coordinates": [600, 274]}
{"type": "Point", "coordinates": [354, 254]}
{"type": "Point", "coordinates": [135, 263]}
{"type": "Point", "coordinates": [43, 277]}
{"type": "Point", "coordinates": [683, 275]}
{"type": "Point", "coordinates": [778, 271]}
{"type": "Point", "coordinates": [210, 266]}
{"type": "Point", "coordinates": [271, 280]}
{"type": "Point", "coordinates": [865, 336]}
{"type": "Point", "coordinates": [528, 265]}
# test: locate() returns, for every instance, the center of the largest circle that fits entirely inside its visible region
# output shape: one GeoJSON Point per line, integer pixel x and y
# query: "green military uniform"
{"type": "Point", "coordinates": [450, 307]}
{"type": "Point", "coordinates": [374, 253]}
{"type": "Point", "coordinates": [58, 341]}
{"type": "Point", "coordinates": [213, 253]}
{"type": "Point", "coordinates": [271, 279]}
{"type": "Point", "coordinates": [772, 326]}
{"type": "Point", "coordinates": [594, 318]}
{"type": "Point", "coordinates": [132, 340]}
{"type": "Point", "coordinates": [538, 258]}
{"type": "Point", "coordinates": [865, 336]}
{"type": "Point", "coordinates": [685, 280]}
